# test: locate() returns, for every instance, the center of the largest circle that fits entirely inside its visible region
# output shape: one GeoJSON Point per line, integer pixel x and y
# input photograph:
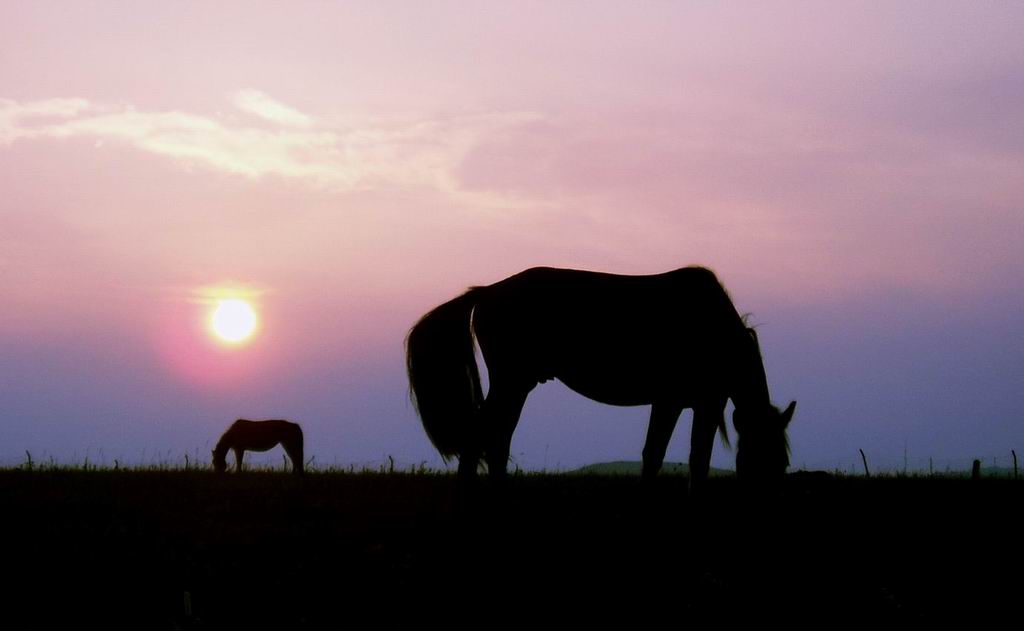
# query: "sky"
{"type": "Point", "coordinates": [852, 171]}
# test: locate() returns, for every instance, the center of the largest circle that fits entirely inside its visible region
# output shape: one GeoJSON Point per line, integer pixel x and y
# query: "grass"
{"type": "Point", "coordinates": [634, 467]}
{"type": "Point", "coordinates": [270, 549]}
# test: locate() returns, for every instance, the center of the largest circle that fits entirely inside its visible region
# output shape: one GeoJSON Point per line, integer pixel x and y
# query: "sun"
{"type": "Point", "coordinates": [233, 321]}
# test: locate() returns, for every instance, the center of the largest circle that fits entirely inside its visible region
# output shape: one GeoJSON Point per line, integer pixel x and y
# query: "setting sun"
{"type": "Point", "coordinates": [233, 321]}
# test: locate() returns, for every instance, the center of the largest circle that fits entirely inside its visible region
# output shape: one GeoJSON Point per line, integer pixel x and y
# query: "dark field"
{"type": "Point", "coordinates": [121, 548]}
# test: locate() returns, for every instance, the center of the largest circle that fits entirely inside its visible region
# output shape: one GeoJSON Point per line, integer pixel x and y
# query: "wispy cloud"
{"type": "Point", "coordinates": [424, 152]}
{"type": "Point", "coordinates": [210, 294]}
{"type": "Point", "coordinates": [24, 120]}
{"type": "Point", "coordinates": [259, 104]}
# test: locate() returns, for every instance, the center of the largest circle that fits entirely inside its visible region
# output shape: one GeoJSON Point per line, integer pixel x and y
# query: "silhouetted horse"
{"type": "Point", "coordinates": [672, 340]}
{"type": "Point", "coordinates": [259, 436]}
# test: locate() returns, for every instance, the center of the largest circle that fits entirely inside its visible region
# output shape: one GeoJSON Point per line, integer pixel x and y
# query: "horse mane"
{"type": "Point", "coordinates": [224, 443]}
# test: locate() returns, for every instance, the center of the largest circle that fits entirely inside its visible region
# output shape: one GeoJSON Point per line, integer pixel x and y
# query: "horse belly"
{"type": "Point", "coordinates": [261, 445]}
{"type": "Point", "coordinates": [627, 382]}
{"type": "Point", "coordinates": [608, 392]}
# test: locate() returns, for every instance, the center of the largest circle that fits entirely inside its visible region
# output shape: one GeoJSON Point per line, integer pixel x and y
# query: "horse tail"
{"type": "Point", "coordinates": [444, 383]}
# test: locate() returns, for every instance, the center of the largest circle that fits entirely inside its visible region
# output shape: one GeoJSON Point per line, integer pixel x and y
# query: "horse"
{"type": "Point", "coordinates": [259, 436]}
{"type": "Point", "coordinates": [672, 341]}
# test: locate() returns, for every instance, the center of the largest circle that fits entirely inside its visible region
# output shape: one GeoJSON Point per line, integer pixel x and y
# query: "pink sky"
{"type": "Point", "coordinates": [852, 171]}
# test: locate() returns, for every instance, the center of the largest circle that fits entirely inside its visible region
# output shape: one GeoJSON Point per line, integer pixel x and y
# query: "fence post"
{"type": "Point", "coordinates": [976, 470]}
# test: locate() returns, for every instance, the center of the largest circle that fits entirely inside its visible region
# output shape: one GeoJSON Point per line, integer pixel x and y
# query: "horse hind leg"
{"type": "Point", "coordinates": [470, 451]}
{"type": "Point", "coordinates": [239, 454]}
{"type": "Point", "coordinates": [499, 417]}
{"type": "Point", "coordinates": [469, 460]}
{"type": "Point", "coordinates": [663, 421]}
{"type": "Point", "coordinates": [294, 451]}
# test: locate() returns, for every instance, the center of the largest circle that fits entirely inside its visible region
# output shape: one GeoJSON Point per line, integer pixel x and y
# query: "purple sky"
{"type": "Point", "coordinates": [854, 172]}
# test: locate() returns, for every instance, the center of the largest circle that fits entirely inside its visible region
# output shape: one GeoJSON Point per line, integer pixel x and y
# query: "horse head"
{"type": "Point", "coordinates": [762, 449]}
{"type": "Point", "coordinates": [219, 461]}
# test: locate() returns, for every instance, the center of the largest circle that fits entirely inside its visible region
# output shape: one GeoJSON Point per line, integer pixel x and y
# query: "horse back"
{"type": "Point", "coordinates": [615, 338]}
{"type": "Point", "coordinates": [556, 306]}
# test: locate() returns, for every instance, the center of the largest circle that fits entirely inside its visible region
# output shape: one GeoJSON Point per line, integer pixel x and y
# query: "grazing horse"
{"type": "Point", "coordinates": [671, 340]}
{"type": "Point", "coordinates": [259, 436]}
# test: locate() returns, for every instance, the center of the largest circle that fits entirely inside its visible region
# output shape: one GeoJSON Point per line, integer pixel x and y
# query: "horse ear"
{"type": "Point", "coordinates": [787, 414]}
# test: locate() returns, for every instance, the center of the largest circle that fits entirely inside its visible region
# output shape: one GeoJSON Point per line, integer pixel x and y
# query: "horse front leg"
{"type": "Point", "coordinates": [663, 421]}
{"type": "Point", "coordinates": [239, 453]}
{"type": "Point", "coordinates": [706, 420]}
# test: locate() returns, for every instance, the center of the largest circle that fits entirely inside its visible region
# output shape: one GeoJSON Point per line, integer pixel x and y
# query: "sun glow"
{"type": "Point", "coordinates": [233, 321]}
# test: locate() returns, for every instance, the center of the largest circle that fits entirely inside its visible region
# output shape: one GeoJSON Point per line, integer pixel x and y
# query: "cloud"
{"type": "Point", "coordinates": [258, 103]}
{"type": "Point", "coordinates": [419, 152]}
{"type": "Point", "coordinates": [21, 120]}
{"type": "Point", "coordinates": [210, 294]}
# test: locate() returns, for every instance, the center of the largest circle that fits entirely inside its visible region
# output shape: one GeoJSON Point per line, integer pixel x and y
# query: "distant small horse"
{"type": "Point", "coordinates": [259, 436]}
{"type": "Point", "coordinates": [671, 340]}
